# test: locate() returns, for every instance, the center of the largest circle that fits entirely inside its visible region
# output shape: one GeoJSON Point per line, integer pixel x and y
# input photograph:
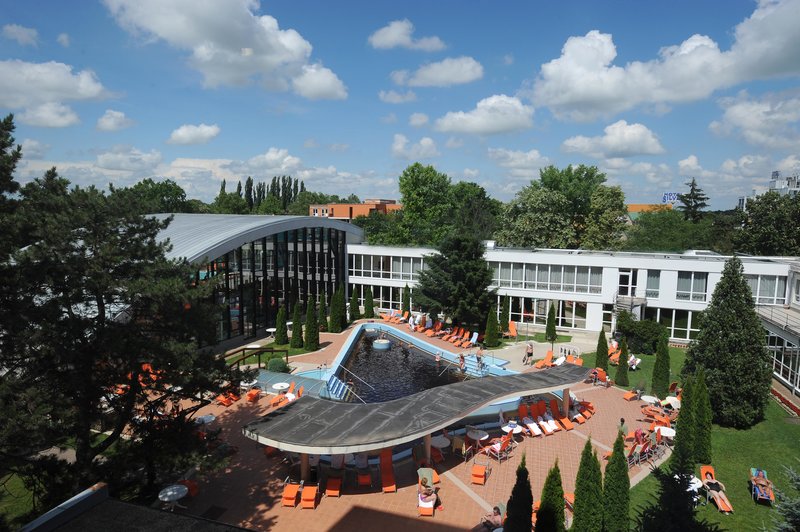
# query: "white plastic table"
{"type": "Point", "coordinates": [650, 399]}
{"type": "Point", "coordinates": [666, 432]}
{"type": "Point", "coordinates": [172, 494]}
{"type": "Point", "coordinates": [440, 441]}
{"type": "Point", "coordinates": [280, 386]}
{"type": "Point", "coordinates": [248, 384]}
{"type": "Point", "coordinates": [271, 331]}
{"type": "Point", "coordinates": [478, 435]}
{"type": "Point", "coordinates": [515, 428]}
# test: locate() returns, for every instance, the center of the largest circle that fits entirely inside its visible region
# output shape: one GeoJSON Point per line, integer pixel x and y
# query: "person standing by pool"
{"type": "Point", "coordinates": [462, 363]}
{"type": "Point", "coordinates": [479, 358]}
{"type": "Point", "coordinates": [528, 358]}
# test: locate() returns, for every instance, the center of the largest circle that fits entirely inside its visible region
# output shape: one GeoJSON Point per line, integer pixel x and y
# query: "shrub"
{"type": "Point", "coordinates": [616, 487]}
{"type": "Point", "coordinates": [588, 493]}
{"type": "Point", "coordinates": [354, 311]}
{"type": "Point", "coordinates": [520, 505]}
{"type": "Point", "coordinates": [550, 329]}
{"type": "Point", "coordinates": [297, 327]}
{"type": "Point", "coordinates": [683, 457]}
{"type": "Point", "coordinates": [406, 300]}
{"type": "Point", "coordinates": [322, 314]}
{"type": "Point", "coordinates": [602, 352]}
{"type": "Point", "coordinates": [278, 365]}
{"type": "Point", "coordinates": [342, 308]}
{"type": "Point", "coordinates": [281, 332]}
{"type": "Point", "coordinates": [551, 510]}
{"type": "Point", "coordinates": [335, 322]}
{"type": "Point", "coordinates": [369, 304]}
{"type": "Point", "coordinates": [660, 383]}
{"type": "Point", "coordinates": [312, 329]}
{"type": "Point", "coordinates": [643, 336]}
{"type": "Point", "coordinates": [505, 315]}
{"type": "Point", "coordinates": [701, 409]}
{"type": "Point", "coordinates": [621, 376]}
{"type": "Point", "coordinates": [492, 336]}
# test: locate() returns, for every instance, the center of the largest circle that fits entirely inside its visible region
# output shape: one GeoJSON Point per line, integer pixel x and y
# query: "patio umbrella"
{"type": "Point", "coordinates": [674, 402]}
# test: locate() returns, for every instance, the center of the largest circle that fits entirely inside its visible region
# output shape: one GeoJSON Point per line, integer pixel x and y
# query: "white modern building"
{"type": "Point", "coordinates": [783, 185]}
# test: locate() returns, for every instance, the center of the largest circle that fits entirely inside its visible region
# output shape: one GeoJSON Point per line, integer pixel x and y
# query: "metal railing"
{"type": "Point", "coordinates": [357, 377]}
{"type": "Point", "coordinates": [780, 316]}
{"type": "Point", "coordinates": [244, 353]}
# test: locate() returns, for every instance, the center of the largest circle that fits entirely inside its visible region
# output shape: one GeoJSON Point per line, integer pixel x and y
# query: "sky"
{"type": "Point", "coordinates": [345, 95]}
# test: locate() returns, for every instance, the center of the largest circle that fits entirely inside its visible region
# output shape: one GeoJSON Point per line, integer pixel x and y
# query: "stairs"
{"type": "Point", "coordinates": [337, 389]}
{"type": "Point", "coordinates": [628, 303]}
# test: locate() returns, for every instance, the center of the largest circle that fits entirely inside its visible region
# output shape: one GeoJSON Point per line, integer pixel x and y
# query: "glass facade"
{"type": "Point", "coordinates": [692, 286]}
{"type": "Point", "coordinates": [550, 277]}
{"type": "Point", "coordinates": [682, 324]}
{"type": "Point", "coordinates": [386, 267]}
{"type": "Point", "coordinates": [767, 289]}
{"type": "Point", "coordinates": [653, 283]}
{"type": "Point", "coordinates": [785, 360]}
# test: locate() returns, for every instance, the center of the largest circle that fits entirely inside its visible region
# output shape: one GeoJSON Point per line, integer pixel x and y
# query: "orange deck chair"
{"type": "Point", "coordinates": [308, 499]}
{"type": "Point", "coordinates": [559, 417]}
{"type": "Point", "coordinates": [512, 330]}
{"type": "Point", "coordinates": [290, 491]}
{"type": "Point", "coordinates": [224, 400]}
{"type": "Point", "coordinates": [710, 469]}
{"type": "Point", "coordinates": [547, 361]}
{"type": "Point", "coordinates": [455, 331]}
{"type": "Point", "coordinates": [630, 396]}
{"type": "Point", "coordinates": [253, 395]}
{"type": "Point", "coordinates": [463, 338]}
{"type": "Point", "coordinates": [399, 319]}
{"type": "Point", "coordinates": [436, 328]}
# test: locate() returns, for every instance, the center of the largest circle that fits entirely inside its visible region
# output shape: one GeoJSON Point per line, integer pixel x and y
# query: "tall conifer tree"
{"type": "Point", "coordinates": [683, 455]}
{"type": "Point", "coordinates": [601, 355]}
{"type": "Point", "coordinates": [661, 375]}
{"type": "Point", "coordinates": [616, 486]}
{"type": "Point", "coordinates": [701, 410]}
{"type": "Point", "coordinates": [551, 510]}
{"type": "Point", "coordinates": [369, 304]}
{"type": "Point", "coordinates": [550, 328]}
{"type": "Point", "coordinates": [311, 340]}
{"type": "Point", "coordinates": [492, 336]}
{"type": "Point", "coordinates": [297, 327]}
{"type": "Point", "coordinates": [520, 505]}
{"type": "Point", "coordinates": [505, 315]}
{"type": "Point", "coordinates": [588, 493]}
{"type": "Point", "coordinates": [281, 330]}
{"type": "Point", "coordinates": [354, 310]}
{"type": "Point", "coordinates": [621, 376]}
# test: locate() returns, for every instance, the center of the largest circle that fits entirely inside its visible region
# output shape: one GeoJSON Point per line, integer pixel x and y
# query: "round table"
{"type": "Point", "coordinates": [650, 399]}
{"type": "Point", "coordinates": [666, 432]}
{"type": "Point", "coordinates": [172, 494]}
{"type": "Point", "coordinates": [440, 441]}
{"type": "Point", "coordinates": [204, 420]}
{"type": "Point", "coordinates": [271, 331]}
{"type": "Point", "coordinates": [477, 435]}
{"type": "Point", "coordinates": [248, 384]}
{"type": "Point", "coordinates": [515, 428]}
{"type": "Point", "coordinates": [280, 386]}
{"type": "Point", "coordinates": [672, 401]}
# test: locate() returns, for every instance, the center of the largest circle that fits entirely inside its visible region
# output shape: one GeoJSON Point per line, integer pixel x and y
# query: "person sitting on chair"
{"type": "Point", "coordinates": [717, 491]}
{"type": "Point", "coordinates": [428, 494]}
{"type": "Point", "coordinates": [762, 485]}
{"type": "Point", "coordinates": [492, 520]}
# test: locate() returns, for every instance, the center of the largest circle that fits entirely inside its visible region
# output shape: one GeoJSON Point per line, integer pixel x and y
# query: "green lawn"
{"type": "Point", "coordinates": [539, 337]}
{"type": "Point", "coordinates": [645, 372]}
{"type": "Point", "coordinates": [15, 502]}
{"type": "Point", "coordinates": [253, 359]}
{"type": "Point", "coordinates": [770, 445]}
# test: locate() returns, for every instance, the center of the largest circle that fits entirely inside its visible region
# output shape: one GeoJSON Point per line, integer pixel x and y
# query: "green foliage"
{"type": "Point", "coordinates": [602, 351]}
{"type": "Point", "coordinates": [311, 340]}
{"type": "Point", "coordinates": [769, 227]}
{"type": "Point", "coordinates": [588, 493]}
{"type": "Point", "coordinates": [322, 316]}
{"type": "Point", "coordinates": [281, 330]}
{"type": "Point", "coordinates": [661, 373]}
{"type": "Point", "coordinates": [456, 281]}
{"type": "Point", "coordinates": [335, 321]}
{"type": "Point", "coordinates": [342, 303]}
{"type": "Point", "coordinates": [788, 507]}
{"type": "Point", "coordinates": [9, 157]}
{"type": "Point", "coordinates": [730, 347]}
{"type": "Point", "coordinates": [162, 196]}
{"type": "Point", "coordinates": [621, 375]}
{"type": "Point", "coordinates": [666, 230]}
{"type": "Point", "coordinates": [278, 365]}
{"type": "Point", "coordinates": [550, 328]}
{"type": "Point", "coordinates": [537, 217]}
{"type": "Point", "coordinates": [683, 456]}
{"type": "Point", "coordinates": [229, 203]}
{"type": "Point", "coordinates": [270, 205]}
{"type": "Point", "coordinates": [606, 220]}
{"type": "Point", "coordinates": [426, 206]}
{"type": "Point", "coordinates": [642, 335]}
{"type": "Point", "coordinates": [672, 507]}
{"type": "Point", "coordinates": [693, 202]}
{"type": "Point", "coordinates": [354, 310]}
{"type": "Point", "coordinates": [406, 305]}
{"type": "Point", "coordinates": [616, 486]}
{"type": "Point", "coordinates": [577, 185]}
{"type": "Point", "coordinates": [472, 210]}
{"type": "Point", "coordinates": [492, 336]}
{"type": "Point", "coordinates": [369, 304]}
{"type": "Point", "coordinates": [520, 505]}
{"type": "Point", "coordinates": [297, 327]}
{"type": "Point", "coordinates": [551, 510]}
{"type": "Point", "coordinates": [701, 409]}
{"type": "Point", "coordinates": [505, 315]}
{"type": "Point", "coordinates": [381, 228]}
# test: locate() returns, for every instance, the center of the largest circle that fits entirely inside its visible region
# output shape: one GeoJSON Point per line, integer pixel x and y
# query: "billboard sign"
{"type": "Point", "coordinates": [669, 197]}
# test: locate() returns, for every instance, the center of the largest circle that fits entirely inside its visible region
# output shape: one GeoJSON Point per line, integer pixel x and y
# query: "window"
{"type": "Point", "coordinates": [653, 283]}
{"type": "Point", "coordinates": [691, 286]}
{"type": "Point", "coordinates": [797, 291]}
{"type": "Point", "coordinates": [767, 289]}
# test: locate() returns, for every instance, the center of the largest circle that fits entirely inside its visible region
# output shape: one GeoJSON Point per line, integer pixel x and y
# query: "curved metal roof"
{"type": "Point", "coordinates": [207, 236]}
{"type": "Point", "coordinates": [320, 426]}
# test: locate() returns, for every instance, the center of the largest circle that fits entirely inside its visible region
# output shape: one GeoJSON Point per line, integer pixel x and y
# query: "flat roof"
{"type": "Point", "coordinates": [320, 426]}
{"type": "Point", "coordinates": [207, 236]}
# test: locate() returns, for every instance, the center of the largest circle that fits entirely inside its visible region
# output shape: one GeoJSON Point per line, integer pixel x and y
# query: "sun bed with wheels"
{"type": "Point", "coordinates": [308, 499]}
{"type": "Point", "coordinates": [761, 486]}
{"type": "Point", "coordinates": [472, 341]}
{"type": "Point", "coordinates": [512, 330]}
{"type": "Point", "coordinates": [546, 362]}
{"type": "Point", "coordinates": [290, 492]}
{"type": "Point", "coordinates": [707, 475]}
{"type": "Point", "coordinates": [400, 319]}
{"type": "Point", "coordinates": [436, 328]}
{"type": "Point", "coordinates": [562, 420]}
{"type": "Point", "coordinates": [456, 332]}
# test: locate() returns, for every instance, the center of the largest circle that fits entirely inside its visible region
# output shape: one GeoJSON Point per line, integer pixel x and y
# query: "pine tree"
{"type": "Point", "coordinates": [693, 202]}
{"type": "Point", "coordinates": [661, 376]}
{"type": "Point", "coordinates": [248, 193]}
{"type": "Point", "coordinates": [297, 327]}
{"type": "Point", "coordinates": [354, 310]}
{"type": "Point", "coordinates": [730, 346]}
{"type": "Point", "coordinates": [683, 457]}
{"type": "Point", "coordinates": [312, 328]}
{"type": "Point", "coordinates": [222, 187]}
{"type": "Point", "coordinates": [342, 308]}
{"type": "Point", "coordinates": [550, 329]}
{"type": "Point", "coordinates": [551, 510]}
{"type": "Point", "coordinates": [406, 300]}
{"type": "Point", "coordinates": [701, 409]}
{"type": "Point", "coordinates": [520, 505]}
{"type": "Point", "coordinates": [322, 316]}
{"type": "Point", "coordinates": [788, 505]}
{"type": "Point", "coordinates": [239, 189]}
{"type": "Point", "coordinates": [616, 486]}
{"type": "Point", "coordinates": [492, 336]}
{"type": "Point", "coordinates": [335, 321]}
{"type": "Point", "coordinates": [505, 315]}
{"type": "Point", "coordinates": [588, 493]}
{"type": "Point", "coordinates": [621, 376]}
{"type": "Point", "coordinates": [281, 330]}
{"type": "Point", "coordinates": [601, 355]}
{"type": "Point", "coordinates": [369, 304]}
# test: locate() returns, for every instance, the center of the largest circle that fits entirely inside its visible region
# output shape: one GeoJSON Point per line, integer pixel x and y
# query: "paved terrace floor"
{"type": "Point", "coordinates": [248, 492]}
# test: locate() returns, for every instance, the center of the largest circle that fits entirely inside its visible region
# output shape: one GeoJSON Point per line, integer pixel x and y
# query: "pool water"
{"type": "Point", "coordinates": [396, 372]}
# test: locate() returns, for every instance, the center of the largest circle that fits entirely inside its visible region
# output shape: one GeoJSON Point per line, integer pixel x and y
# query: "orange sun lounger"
{"type": "Point", "coordinates": [721, 506]}
{"type": "Point", "coordinates": [547, 361]}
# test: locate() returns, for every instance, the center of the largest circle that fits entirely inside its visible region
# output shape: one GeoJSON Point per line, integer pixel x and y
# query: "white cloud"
{"type": "Point", "coordinates": [471, 173]}
{"type": "Point", "coordinates": [272, 162]}
{"type": "Point", "coordinates": [453, 142]}
{"type": "Point", "coordinates": [63, 39]}
{"type": "Point", "coordinates": [620, 140]}
{"type": "Point", "coordinates": [418, 119]}
{"type": "Point", "coordinates": [319, 83]}
{"type": "Point", "coordinates": [424, 149]}
{"type": "Point", "coordinates": [310, 143]}
{"type": "Point", "coordinates": [655, 174]}
{"type": "Point", "coordinates": [520, 164]}
{"type": "Point", "coordinates": [128, 159]}
{"type": "Point", "coordinates": [191, 134]}
{"type": "Point", "coordinates": [391, 118]}
{"type": "Point", "coordinates": [735, 177]}
{"type": "Point", "coordinates": [770, 121]}
{"type": "Point", "coordinates": [33, 149]}
{"type": "Point", "coordinates": [444, 73]}
{"type": "Point", "coordinates": [508, 59]}
{"type": "Point", "coordinates": [398, 34]}
{"type": "Point", "coordinates": [113, 121]}
{"type": "Point", "coordinates": [229, 44]}
{"type": "Point", "coordinates": [24, 36]}
{"type": "Point", "coordinates": [495, 114]}
{"type": "Point", "coordinates": [50, 114]}
{"type": "Point", "coordinates": [339, 147]}
{"type": "Point", "coordinates": [583, 83]}
{"type": "Point", "coordinates": [397, 97]}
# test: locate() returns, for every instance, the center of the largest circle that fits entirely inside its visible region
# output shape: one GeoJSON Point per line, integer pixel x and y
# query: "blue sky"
{"type": "Point", "coordinates": [345, 95]}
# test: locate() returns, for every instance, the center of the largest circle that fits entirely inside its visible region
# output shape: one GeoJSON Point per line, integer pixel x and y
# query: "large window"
{"type": "Point", "coordinates": [767, 289]}
{"type": "Point", "coordinates": [682, 324]}
{"type": "Point", "coordinates": [692, 286]}
{"type": "Point", "coordinates": [549, 277]}
{"type": "Point", "coordinates": [653, 283]}
{"type": "Point", "coordinates": [401, 268]}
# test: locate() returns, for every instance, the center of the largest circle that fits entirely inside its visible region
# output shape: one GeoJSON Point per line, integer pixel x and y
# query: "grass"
{"type": "Point", "coordinates": [645, 372]}
{"type": "Point", "coordinates": [253, 359]}
{"type": "Point", "coordinates": [540, 337]}
{"type": "Point", "coordinates": [15, 501]}
{"type": "Point", "coordinates": [771, 444]}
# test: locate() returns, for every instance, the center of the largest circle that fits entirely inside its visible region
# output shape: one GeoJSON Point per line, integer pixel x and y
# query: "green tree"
{"type": "Point", "coordinates": [551, 510]}
{"type": "Point", "coordinates": [229, 203]}
{"type": "Point", "coordinates": [683, 453]}
{"type": "Point", "coordinates": [425, 195]}
{"type": "Point", "coordinates": [730, 347]}
{"type": "Point", "coordinates": [788, 505]}
{"type": "Point", "coordinates": [335, 321]}
{"type": "Point", "coordinates": [536, 217]}
{"type": "Point", "coordinates": [248, 194]}
{"type": "Point", "coordinates": [588, 493]}
{"type": "Point", "coordinates": [606, 219]}
{"type": "Point", "coordinates": [297, 327]}
{"type": "Point", "coordinates": [701, 409]}
{"type": "Point", "coordinates": [601, 355]}
{"type": "Point", "coordinates": [456, 281]}
{"type": "Point", "coordinates": [666, 230]}
{"type": "Point", "coordinates": [342, 307]}
{"type": "Point", "coordinates": [693, 202]}
{"type": "Point", "coordinates": [162, 196]}
{"type": "Point", "coordinates": [381, 228]}
{"type": "Point", "coordinates": [769, 227]}
{"type": "Point", "coordinates": [354, 310]}
{"type": "Point", "coordinates": [520, 504]}
{"type": "Point", "coordinates": [406, 304]}
{"type": "Point", "coordinates": [369, 304]}
{"type": "Point", "coordinates": [616, 486]}
{"type": "Point", "coordinates": [672, 508]}
{"type": "Point", "coordinates": [322, 317]}
{"type": "Point", "coordinates": [9, 157]}
{"type": "Point", "coordinates": [550, 334]}
{"type": "Point", "coordinates": [492, 336]}
{"type": "Point", "coordinates": [269, 205]}
{"type": "Point", "coordinates": [281, 329]}
{"type": "Point", "coordinates": [472, 210]}
{"type": "Point", "coordinates": [311, 328]}
{"type": "Point", "coordinates": [661, 372]}
{"type": "Point", "coordinates": [576, 184]}
{"type": "Point", "coordinates": [621, 376]}
{"type": "Point", "coordinates": [505, 315]}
